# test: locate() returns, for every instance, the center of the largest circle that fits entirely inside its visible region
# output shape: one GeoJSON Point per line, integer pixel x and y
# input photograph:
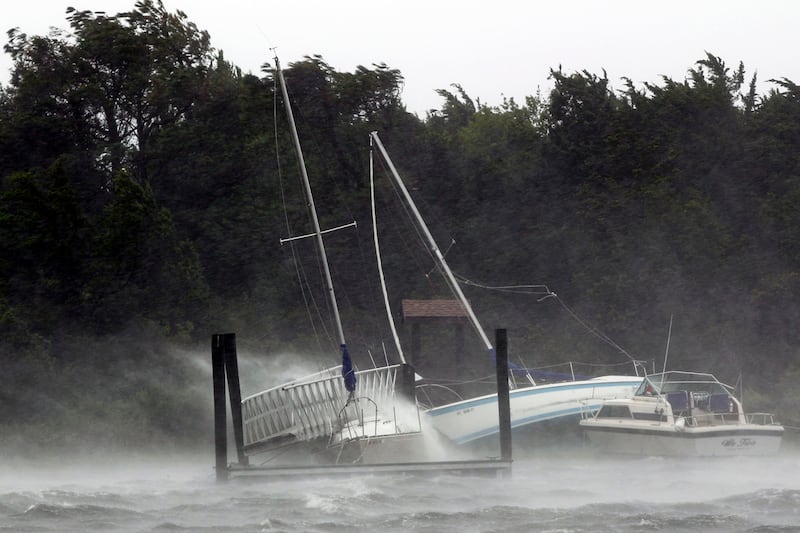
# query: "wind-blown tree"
{"type": "Point", "coordinates": [141, 269]}
{"type": "Point", "coordinates": [91, 101]}
{"type": "Point", "coordinates": [772, 163]}
{"type": "Point", "coordinates": [45, 240]}
{"type": "Point", "coordinates": [148, 79]}
{"type": "Point", "coordinates": [115, 80]}
{"type": "Point", "coordinates": [589, 192]}
{"type": "Point", "coordinates": [337, 111]}
{"type": "Point", "coordinates": [652, 184]}
{"type": "Point", "coordinates": [705, 223]}
{"type": "Point", "coordinates": [65, 269]}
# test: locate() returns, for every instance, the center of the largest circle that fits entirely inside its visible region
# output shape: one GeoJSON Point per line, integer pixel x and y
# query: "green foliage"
{"type": "Point", "coordinates": [142, 269]}
{"type": "Point", "coordinates": [45, 241]}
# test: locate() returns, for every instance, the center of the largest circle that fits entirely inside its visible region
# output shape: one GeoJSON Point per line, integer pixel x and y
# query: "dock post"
{"type": "Point", "coordinates": [220, 418]}
{"type": "Point", "coordinates": [408, 382]}
{"type": "Point", "coordinates": [234, 394]}
{"type": "Point", "coordinates": [503, 405]}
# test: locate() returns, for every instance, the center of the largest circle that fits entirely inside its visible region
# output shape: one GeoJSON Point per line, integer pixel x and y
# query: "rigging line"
{"type": "Point", "coordinates": [308, 296]}
{"type": "Point", "coordinates": [404, 209]}
{"type": "Point", "coordinates": [295, 261]}
{"type": "Point", "coordinates": [525, 369]}
{"type": "Point", "coordinates": [423, 242]}
{"type": "Point", "coordinates": [547, 293]}
{"type": "Point", "coordinates": [312, 140]}
{"type": "Point", "coordinates": [320, 267]}
{"type": "Point", "coordinates": [519, 289]}
{"type": "Point", "coordinates": [323, 324]}
{"type": "Point", "coordinates": [444, 254]}
{"type": "Point", "coordinates": [594, 331]}
{"type": "Point", "coordinates": [451, 281]}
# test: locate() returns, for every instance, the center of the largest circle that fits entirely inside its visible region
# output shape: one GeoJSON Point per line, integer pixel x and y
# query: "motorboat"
{"type": "Point", "coordinates": [682, 414]}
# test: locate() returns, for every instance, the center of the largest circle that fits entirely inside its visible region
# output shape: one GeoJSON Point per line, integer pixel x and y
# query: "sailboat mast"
{"type": "Point", "coordinates": [310, 197]}
{"type": "Point", "coordinates": [432, 243]}
{"type": "Point", "coordinates": [378, 257]}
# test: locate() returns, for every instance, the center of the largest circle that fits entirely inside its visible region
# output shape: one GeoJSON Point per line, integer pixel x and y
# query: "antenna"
{"type": "Point", "coordinates": [666, 353]}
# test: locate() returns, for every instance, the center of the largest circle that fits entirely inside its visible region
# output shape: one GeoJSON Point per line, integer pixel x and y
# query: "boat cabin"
{"type": "Point", "coordinates": [682, 414]}
{"type": "Point", "coordinates": [698, 399]}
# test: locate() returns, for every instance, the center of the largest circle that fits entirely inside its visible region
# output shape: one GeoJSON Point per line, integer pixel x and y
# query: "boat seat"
{"type": "Point", "coordinates": [679, 400]}
{"type": "Point", "coordinates": [720, 403]}
{"type": "Point", "coordinates": [701, 401]}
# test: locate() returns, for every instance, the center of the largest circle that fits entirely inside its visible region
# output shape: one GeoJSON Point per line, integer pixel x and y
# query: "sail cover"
{"type": "Point", "coordinates": [348, 373]}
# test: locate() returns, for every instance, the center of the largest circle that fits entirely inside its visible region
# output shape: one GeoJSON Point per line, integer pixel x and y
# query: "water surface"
{"type": "Point", "coordinates": [562, 493]}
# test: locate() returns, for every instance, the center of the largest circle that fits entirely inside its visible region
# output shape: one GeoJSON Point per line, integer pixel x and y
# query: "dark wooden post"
{"type": "Point", "coordinates": [458, 343]}
{"type": "Point", "coordinates": [416, 346]}
{"type": "Point", "coordinates": [503, 406]}
{"type": "Point", "coordinates": [220, 418]}
{"type": "Point", "coordinates": [408, 384]}
{"type": "Point", "coordinates": [234, 394]}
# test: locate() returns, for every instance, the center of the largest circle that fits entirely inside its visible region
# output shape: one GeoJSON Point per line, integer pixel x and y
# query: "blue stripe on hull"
{"type": "Point", "coordinates": [551, 415]}
{"type": "Point", "coordinates": [520, 393]}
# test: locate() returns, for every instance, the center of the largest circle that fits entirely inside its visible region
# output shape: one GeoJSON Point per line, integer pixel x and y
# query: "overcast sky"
{"type": "Point", "coordinates": [491, 48]}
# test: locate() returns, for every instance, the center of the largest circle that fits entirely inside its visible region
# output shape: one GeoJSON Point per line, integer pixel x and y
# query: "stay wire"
{"type": "Point", "coordinates": [427, 246]}
{"type": "Point", "coordinates": [309, 300]}
{"type": "Point", "coordinates": [545, 293]}
{"type": "Point", "coordinates": [594, 331]}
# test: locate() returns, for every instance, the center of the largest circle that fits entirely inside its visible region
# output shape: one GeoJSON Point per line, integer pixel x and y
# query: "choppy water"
{"type": "Point", "coordinates": [563, 494]}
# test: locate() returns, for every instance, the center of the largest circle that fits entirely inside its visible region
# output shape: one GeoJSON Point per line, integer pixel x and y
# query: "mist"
{"type": "Point", "coordinates": [131, 394]}
{"type": "Point", "coordinates": [546, 492]}
{"type": "Point", "coordinates": [115, 434]}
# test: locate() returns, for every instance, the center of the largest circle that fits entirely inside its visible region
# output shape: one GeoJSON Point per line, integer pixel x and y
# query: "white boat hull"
{"type": "Point", "coordinates": [471, 420]}
{"type": "Point", "coordinates": [741, 439]}
{"type": "Point", "coordinates": [681, 413]}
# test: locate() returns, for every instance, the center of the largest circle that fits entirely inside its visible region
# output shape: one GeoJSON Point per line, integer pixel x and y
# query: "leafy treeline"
{"type": "Point", "coordinates": [146, 182]}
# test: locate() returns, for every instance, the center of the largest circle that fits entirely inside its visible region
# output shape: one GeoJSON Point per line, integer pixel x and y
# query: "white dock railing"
{"type": "Point", "coordinates": [312, 408]}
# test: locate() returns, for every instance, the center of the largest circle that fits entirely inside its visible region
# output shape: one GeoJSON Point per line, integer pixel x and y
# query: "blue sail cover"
{"type": "Point", "coordinates": [347, 370]}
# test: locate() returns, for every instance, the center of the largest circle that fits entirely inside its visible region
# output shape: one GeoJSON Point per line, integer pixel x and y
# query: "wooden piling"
{"type": "Point", "coordinates": [408, 384]}
{"type": "Point", "coordinates": [234, 394]}
{"type": "Point", "coordinates": [220, 414]}
{"type": "Point", "coordinates": [503, 402]}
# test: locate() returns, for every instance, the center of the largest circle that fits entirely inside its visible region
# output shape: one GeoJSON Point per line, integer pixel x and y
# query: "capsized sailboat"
{"type": "Point", "coordinates": [340, 413]}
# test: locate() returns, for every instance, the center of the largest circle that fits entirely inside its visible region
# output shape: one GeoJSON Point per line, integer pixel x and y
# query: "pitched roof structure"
{"type": "Point", "coordinates": [442, 309]}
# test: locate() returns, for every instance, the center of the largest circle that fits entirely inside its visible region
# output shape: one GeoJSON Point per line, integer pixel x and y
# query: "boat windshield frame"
{"type": "Point", "coordinates": [665, 382]}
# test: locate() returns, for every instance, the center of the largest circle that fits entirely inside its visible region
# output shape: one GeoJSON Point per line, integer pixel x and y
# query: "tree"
{"type": "Point", "coordinates": [141, 270]}
{"type": "Point", "coordinates": [46, 237]}
{"type": "Point", "coordinates": [123, 77]}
